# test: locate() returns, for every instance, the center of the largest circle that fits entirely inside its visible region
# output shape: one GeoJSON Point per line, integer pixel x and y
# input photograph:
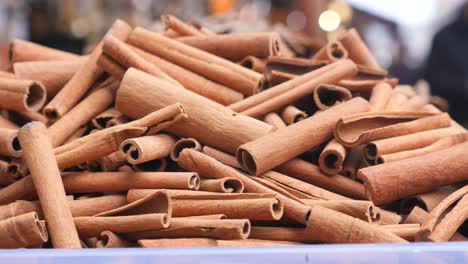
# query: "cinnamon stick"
{"type": "Point", "coordinates": [210, 168]}
{"type": "Point", "coordinates": [274, 120]}
{"type": "Point", "coordinates": [83, 112]}
{"type": "Point", "coordinates": [291, 115]}
{"type": "Point", "coordinates": [224, 185]}
{"type": "Point", "coordinates": [111, 66]}
{"type": "Point", "coordinates": [202, 111]}
{"type": "Point", "coordinates": [237, 46]}
{"type": "Point", "coordinates": [39, 156]}
{"type": "Point", "coordinates": [331, 52]}
{"type": "Point", "coordinates": [82, 80]}
{"type": "Point", "coordinates": [21, 95]}
{"type": "Point", "coordinates": [101, 120]}
{"type": "Point", "coordinates": [363, 210]}
{"type": "Point", "coordinates": [91, 226]}
{"type": "Point", "coordinates": [22, 231]}
{"type": "Point", "coordinates": [221, 157]}
{"type": "Point", "coordinates": [143, 149]}
{"type": "Point", "coordinates": [427, 172]}
{"type": "Point", "coordinates": [9, 143]}
{"type": "Point", "coordinates": [260, 155]}
{"type": "Point", "coordinates": [52, 74]}
{"type": "Point", "coordinates": [254, 63]}
{"type": "Point", "coordinates": [405, 231]}
{"type": "Point", "coordinates": [193, 81]}
{"type": "Point", "coordinates": [189, 228]}
{"type": "Point", "coordinates": [180, 27]}
{"type": "Point", "coordinates": [157, 165]}
{"type": "Point", "coordinates": [332, 157]}
{"type": "Point", "coordinates": [108, 239]}
{"type": "Point", "coordinates": [363, 128]}
{"type": "Point", "coordinates": [429, 200]}
{"type": "Point", "coordinates": [109, 163]}
{"type": "Point", "coordinates": [326, 96]}
{"type": "Point", "coordinates": [215, 68]}
{"type": "Point", "coordinates": [21, 50]}
{"type": "Point", "coordinates": [380, 96]}
{"type": "Point", "coordinates": [357, 49]}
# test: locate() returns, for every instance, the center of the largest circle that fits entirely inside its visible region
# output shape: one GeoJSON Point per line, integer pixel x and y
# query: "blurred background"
{"type": "Point", "coordinates": [417, 39]}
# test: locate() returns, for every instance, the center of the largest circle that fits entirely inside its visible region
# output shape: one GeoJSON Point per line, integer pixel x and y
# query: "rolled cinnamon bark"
{"type": "Point", "coordinates": [5, 123]}
{"type": "Point", "coordinates": [328, 226]}
{"type": "Point", "coordinates": [21, 95]}
{"type": "Point", "coordinates": [440, 144]}
{"type": "Point", "coordinates": [143, 149]}
{"type": "Point", "coordinates": [180, 27]}
{"type": "Point", "coordinates": [157, 165]}
{"type": "Point", "coordinates": [39, 156]}
{"type": "Point", "coordinates": [106, 141]}
{"type": "Point", "coordinates": [207, 242]}
{"type": "Point", "coordinates": [221, 157]}
{"type": "Point", "coordinates": [326, 96]}
{"type": "Point", "coordinates": [157, 202]}
{"type": "Point", "coordinates": [413, 141]}
{"type": "Point", "coordinates": [108, 163]}
{"type": "Point", "coordinates": [52, 74]}
{"type": "Point", "coordinates": [91, 226]}
{"type": "Point", "coordinates": [101, 120]}
{"type": "Point", "coordinates": [202, 111]}
{"type": "Point", "coordinates": [215, 68]}
{"type": "Point", "coordinates": [22, 231]}
{"type": "Point", "coordinates": [363, 210]}
{"type": "Point", "coordinates": [360, 129]}
{"type": "Point", "coordinates": [224, 185]}
{"type": "Point", "coordinates": [108, 239]}
{"type": "Point", "coordinates": [429, 200]}
{"type": "Point", "coordinates": [90, 182]}
{"type": "Point", "coordinates": [405, 231]}
{"type": "Point", "coordinates": [311, 173]}
{"type": "Point", "coordinates": [9, 143]}
{"type": "Point", "coordinates": [17, 168]}
{"type": "Point", "coordinates": [274, 120]}
{"type": "Point", "coordinates": [427, 172]}
{"type": "Point", "coordinates": [111, 66]}
{"type": "Point", "coordinates": [254, 63]}
{"type": "Point", "coordinates": [331, 52]}
{"type": "Point", "coordinates": [332, 157]}
{"type": "Point", "coordinates": [336, 72]}
{"type": "Point", "coordinates": [21, 50]}
{"type": "Point", "coordinates": [83, 112]}
{"type": "Point", "coordinates": [83, 79]}
{"type": "Point", "coordinates": [380, 96]}
{"type": "Point", "coordinates": [357, 49]}
{"type": "Point", "coordinates": [291, 115]}
{"type": "Point", "coordinates": [194, 82]}
{"type": "Point", "coordinates": [210, 168]}
{"type": "Point", "coordinates": [260, 155]}
{"type": "Point", "coordinates": [126, 57]}
{"type": "Point", "coordinates": [190, 228]}
{"type": "Point", "coordinates": [235, 47]}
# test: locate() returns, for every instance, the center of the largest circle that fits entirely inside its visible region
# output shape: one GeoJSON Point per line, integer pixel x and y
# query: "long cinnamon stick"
{"type": "Point", "coordinates": [235, 47]}
{"type": "Point", "coordinates": [193, 81]}
{"type": "Point", "coordinates": [211, 168]}
{"type": "Point", "coordinates": [21, 50]}
{"type": "Point", "coordinates": [38, 153]}
{"type": "Point", "coordinates": [202, 111]}
{"type": "Point", "coordinates": [82, 80]}
{"type": "Point", "coordinates": [415, 175]}
{"type": "Point", "coordinates": [220, 70]}
{"type": "Point", "coordinates": [269, 151]}
{"type": "Point", "coordinates": [363, 210]}
{"type": "Point", "coordinates": [21, 95]}
{"type": "Point", "coordinates": [93, 226]}
{"type": "Point", "coordinates": [187, 228]}
{"type": "Point", "coordinates": [143, 149]}
{"type": "Point", "coordinates": [83, 112]}
{"type": "Point", "coordinates": [363, 128]}
{"type": "Point", "coordinates": [22, 231]}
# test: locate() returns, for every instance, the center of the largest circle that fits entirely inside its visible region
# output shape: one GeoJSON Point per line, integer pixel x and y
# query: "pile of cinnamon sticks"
{"type": "Point", "coordinates": [190, 138]}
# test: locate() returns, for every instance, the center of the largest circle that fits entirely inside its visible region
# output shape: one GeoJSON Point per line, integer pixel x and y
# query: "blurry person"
{"type": "Point", "coordinates": [447, 66]}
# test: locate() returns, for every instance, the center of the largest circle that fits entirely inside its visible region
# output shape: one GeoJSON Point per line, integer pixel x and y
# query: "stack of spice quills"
{"type": "Point", "coordinates": [190, 138]}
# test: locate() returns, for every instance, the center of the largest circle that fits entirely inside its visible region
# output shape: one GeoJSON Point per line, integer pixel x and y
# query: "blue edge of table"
{"type": "Point", "coordinates": [452, 252]}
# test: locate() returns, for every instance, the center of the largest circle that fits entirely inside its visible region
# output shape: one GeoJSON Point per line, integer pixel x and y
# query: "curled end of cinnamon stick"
{"type": "Point", "coordinates": [36, 96]}
{"type": "Point", "coordinates": [194, 182]}
{"type": "Point", "coordinates": [233, 185]}
{"type": "Point", "coordinates": [182, 144]}
{"type": "Point", "coordinates": [277, 209]}
{"type": "Point", "coordinates": [247, 161]}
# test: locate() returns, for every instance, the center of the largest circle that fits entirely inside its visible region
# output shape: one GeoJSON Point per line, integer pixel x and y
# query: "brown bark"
{"type": "Point", "coordinates": [22, 231]}
{"type": "Point", "coordinates": [21, 95]}
{"type": "Point", "coordinates": [223, 185]}
{"type": "Point", "coordinates": [326, 96]}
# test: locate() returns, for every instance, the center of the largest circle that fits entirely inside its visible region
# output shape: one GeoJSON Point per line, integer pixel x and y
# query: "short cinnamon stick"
{"type": "Point", "coordinates": [22, 231]}
{"type": "Point", "coordinates": [143, 149]}
{"type": "Point", "coordinates": [291, 115]}
{"type": "Point", "coordinates": [332, 157]}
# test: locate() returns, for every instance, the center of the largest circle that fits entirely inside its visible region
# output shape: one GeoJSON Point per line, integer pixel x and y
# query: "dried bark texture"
{"type": "Point", "coordinates": [21, 95]}
{"type": "Point", "coordinates": [39, 156]}
{"type": "Point", "coordinates": [215, 68]}
{"type": "Point", "coordinates": [400, 179]}
{"type": "Point", "coordinates": [209, 123]}
{"type": "Point", "coordinates": [22, 231]}
{"type": "Point", "coordinates": [143, 149]}
{"type": "Point", "coordinates": [52, 74]}
{"type": "Point", "coordinates": [269, 151]}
